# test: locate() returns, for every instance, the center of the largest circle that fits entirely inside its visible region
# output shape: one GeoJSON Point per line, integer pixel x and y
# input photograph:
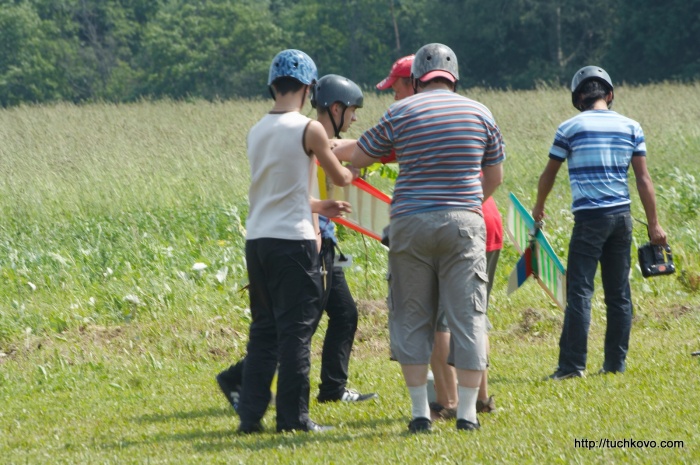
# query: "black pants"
{"type": "Point", "coordinates": [340, 334]}
{"type": "Point", "coordinates": [342, 325]}
{"type": "Point", "coordinates": [285, 303]}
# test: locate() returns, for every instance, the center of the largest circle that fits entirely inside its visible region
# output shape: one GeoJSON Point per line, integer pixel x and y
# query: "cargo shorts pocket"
{"type": "Point", "coordinates": [479, 292]}
{"type": "Point", "coordinates": [389, 298]}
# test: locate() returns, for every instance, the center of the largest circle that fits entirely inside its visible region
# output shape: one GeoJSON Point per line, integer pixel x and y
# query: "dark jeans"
{"type": "Point", "coordinates": [285, 303]}
{"type": "Point", "coordinates": [605, 240]}
{"type": "Point", "coordinates": [340, 334]}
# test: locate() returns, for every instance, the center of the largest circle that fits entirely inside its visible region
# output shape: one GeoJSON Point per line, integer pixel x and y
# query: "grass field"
{"type": "Point", "coordinates": [109, 338]}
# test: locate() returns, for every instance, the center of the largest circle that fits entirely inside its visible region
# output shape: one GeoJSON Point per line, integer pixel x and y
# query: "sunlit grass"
{"type": "Point", "coordinates": [121, 277]}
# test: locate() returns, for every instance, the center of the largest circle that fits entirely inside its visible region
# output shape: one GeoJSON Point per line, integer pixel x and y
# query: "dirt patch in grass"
{"type": "Point", "coordinates": [674, 312]}
{"type": "Point", "coordinates": [537, 323]}
{"type": "Point", "coordinates": [689, 280]}
{"type": "Point", "coordinates": [372, 336]}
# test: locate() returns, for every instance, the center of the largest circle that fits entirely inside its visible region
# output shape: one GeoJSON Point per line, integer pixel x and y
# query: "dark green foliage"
{"type": "Point", "coordinates": [123, 50]}
{"type": "Point", "coordinates": [210, 49]}
{"type": "Point", "coordinates": [656, 41]}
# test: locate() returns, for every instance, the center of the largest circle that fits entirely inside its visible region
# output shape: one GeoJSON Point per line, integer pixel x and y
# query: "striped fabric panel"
{"type": "Point", "coordinates": [598, 146]}
{"type": "Point", "coordinates": [441, 140]}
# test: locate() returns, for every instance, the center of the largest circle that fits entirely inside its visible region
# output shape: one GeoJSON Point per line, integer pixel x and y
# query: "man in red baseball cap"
{"type": "Point", "coordinates": [399, 78]}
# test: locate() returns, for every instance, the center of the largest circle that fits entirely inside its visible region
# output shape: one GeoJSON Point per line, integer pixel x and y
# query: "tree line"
{"type": "Point", "coordinates": [126, 50]}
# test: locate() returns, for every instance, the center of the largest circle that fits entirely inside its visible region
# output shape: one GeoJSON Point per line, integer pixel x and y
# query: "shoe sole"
{"type": "Point", "coordinates": [566, 376]}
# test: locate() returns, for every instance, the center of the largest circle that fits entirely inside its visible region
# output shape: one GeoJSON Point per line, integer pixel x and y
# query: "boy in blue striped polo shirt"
{"type": "Point", "coordinates": [599, 145]}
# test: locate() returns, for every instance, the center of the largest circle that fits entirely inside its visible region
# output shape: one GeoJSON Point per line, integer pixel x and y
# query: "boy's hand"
{"type": "Point", "coordinates": [538, 213]}
{"type": "Point", "coordinates": [355, 172]}
{"type": "Point", "coordinates": [657, 235]}
{"type": "Point", "coordinates": [334, 208]}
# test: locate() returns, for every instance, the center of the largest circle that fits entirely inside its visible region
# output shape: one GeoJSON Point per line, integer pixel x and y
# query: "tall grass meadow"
{"type": "Point", "coordinates": [122, 292]}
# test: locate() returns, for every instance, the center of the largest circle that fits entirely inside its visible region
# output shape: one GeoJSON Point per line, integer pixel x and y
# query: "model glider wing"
{"type": "Point", "coordinates": [370, 206]}
{"type": "Point", "coordinates": [538, 258]}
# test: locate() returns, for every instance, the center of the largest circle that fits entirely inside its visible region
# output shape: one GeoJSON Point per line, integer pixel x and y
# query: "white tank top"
{"type": "Point", "coordinates": [281, 173]}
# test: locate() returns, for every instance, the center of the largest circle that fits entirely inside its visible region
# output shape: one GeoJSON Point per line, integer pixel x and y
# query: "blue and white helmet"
{"type": "Point", "coordinates": [295, 64]}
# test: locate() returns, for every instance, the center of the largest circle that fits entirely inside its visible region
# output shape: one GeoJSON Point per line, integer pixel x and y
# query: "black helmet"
{"type": "Point", "coordinates": [586, 74]}
{"type": "Point", "coordinates": [332, 88]}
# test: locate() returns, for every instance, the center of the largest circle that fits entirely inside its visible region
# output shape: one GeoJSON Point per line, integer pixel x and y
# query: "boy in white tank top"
{"type": "Point", "coordinates": [281, 252]}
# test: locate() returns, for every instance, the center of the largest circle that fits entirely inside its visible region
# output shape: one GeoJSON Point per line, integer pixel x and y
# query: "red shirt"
{"type": "Point", "coordinates": [494, 226]}
{"type": "Point", "coordinates": [492, 217]}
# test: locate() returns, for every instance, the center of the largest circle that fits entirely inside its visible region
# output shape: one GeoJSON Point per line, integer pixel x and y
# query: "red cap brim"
{"type": "Point", "coordinates": [387, 82]}
{"type": "Point", "coordinates": [436, 74]}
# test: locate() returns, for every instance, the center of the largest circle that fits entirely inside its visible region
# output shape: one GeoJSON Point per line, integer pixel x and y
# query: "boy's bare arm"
{"type": "Point", "coordinates": [343, 148]}
{"type": "Point", "coordinates": [544, 187]}
{"type": "Point", "coordinates": [360, 159]}
{"type": "Point", "coordinates": [318, 144]}
{"type": "Point", "coordinates": [647, 195]}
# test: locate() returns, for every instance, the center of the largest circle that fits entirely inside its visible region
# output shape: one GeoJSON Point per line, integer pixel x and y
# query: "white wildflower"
{"type": "Point", "coordinates": [199, 267]}
{"type": "Point", "coordinates": [221, 274]}
{"type": "Point", "coordinates": [58, 258]}
{"type": "Point", "coordinates": [133, 299]}
{"type": "Point", "coordinates": [31, 285]}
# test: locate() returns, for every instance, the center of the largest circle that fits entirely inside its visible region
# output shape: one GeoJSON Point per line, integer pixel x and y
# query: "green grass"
{"type": "Point", "coordinates": [109, 339]}
{"type": "Point", "coordinates": [146, 393]}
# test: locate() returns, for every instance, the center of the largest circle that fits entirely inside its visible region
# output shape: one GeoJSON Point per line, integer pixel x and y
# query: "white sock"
{"type": "Point", "coordinates": [419, 400]}
{"type": "Point", "coordinates": [466, 408]}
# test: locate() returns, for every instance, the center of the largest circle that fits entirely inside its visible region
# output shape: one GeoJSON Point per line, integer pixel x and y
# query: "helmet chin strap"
{"type": "Point", "coordinates": [303, 97]}
{"type": "Point", "coordinates": [337, 128]}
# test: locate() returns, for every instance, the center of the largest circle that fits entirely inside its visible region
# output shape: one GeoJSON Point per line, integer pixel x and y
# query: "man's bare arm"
{"type": "Point", "coordinates": [491, 178]}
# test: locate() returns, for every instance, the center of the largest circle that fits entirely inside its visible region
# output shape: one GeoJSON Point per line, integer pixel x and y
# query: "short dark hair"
{"type": "Point", "coordinates": [284, 85]}
{"type": "Point", "coordinates": [590, 92]}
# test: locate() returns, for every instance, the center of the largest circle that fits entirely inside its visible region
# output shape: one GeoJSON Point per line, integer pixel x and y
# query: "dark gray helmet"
{"type": "Point", "coordinates": [332, 88]}
{"type": "Point", "coordinates": [435, 60]}
{"type": "Point", "coordinates": [586, 74]}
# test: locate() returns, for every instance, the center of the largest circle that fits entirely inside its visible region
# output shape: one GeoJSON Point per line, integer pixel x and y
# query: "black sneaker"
{"type": "Point", "coordinates": [313, 427]}
{"type": "Point", "coordinates": [603, 371]}
{"type": "Point", "coordinates": [561, 375]}
{"type": "Point", "coordinates": [349, 395]}
{"type": "Point", "coordinates": [420, 425]}
{"type": "Point", "coordinates": [250, 429]}
{"type": "Point", "coordinates": [466, 425]}
{"type": "Point", "coordinates": [230, 390]}
{"type": "Point", "coordinates": [310, 426]}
